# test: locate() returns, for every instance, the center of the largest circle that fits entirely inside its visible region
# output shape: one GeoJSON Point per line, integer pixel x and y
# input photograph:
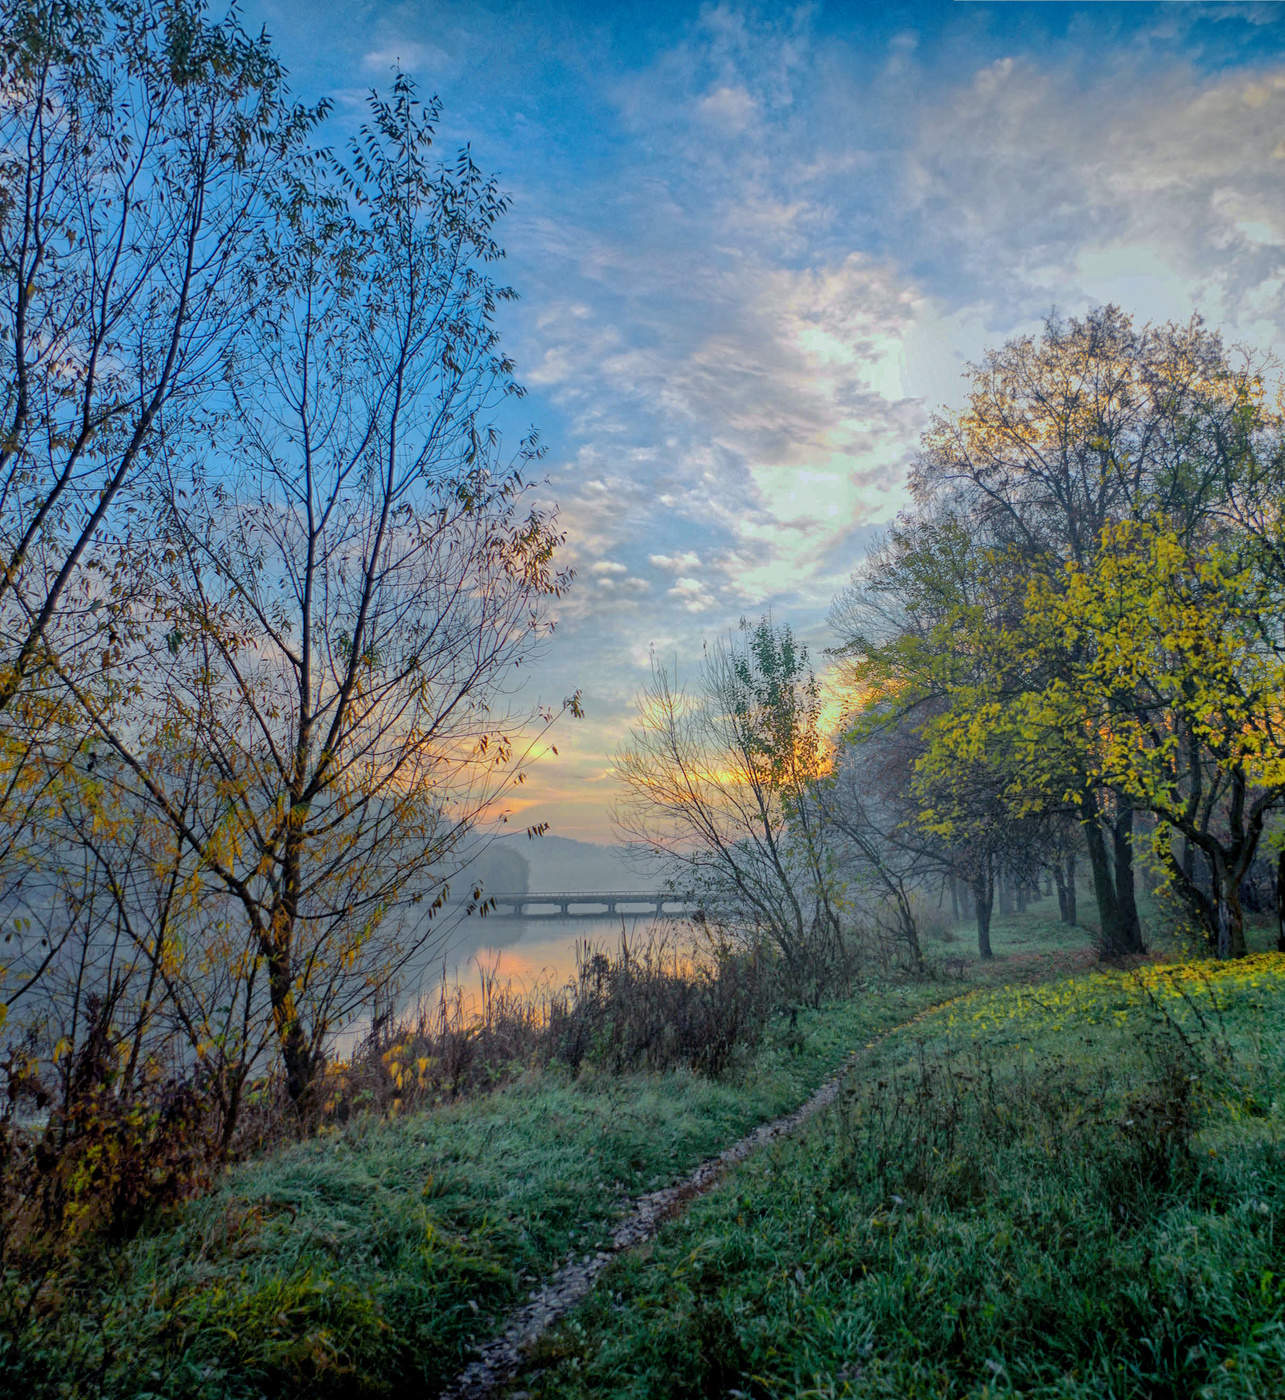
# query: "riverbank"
{"type": "Point", "coordinates": [368, 1260]}
{"type": "Point", "coordinates": [378, 1257]}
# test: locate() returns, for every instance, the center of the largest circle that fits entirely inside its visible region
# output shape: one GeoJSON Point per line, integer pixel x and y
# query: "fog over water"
{"type": "Point", "coordinates": [535, 953]}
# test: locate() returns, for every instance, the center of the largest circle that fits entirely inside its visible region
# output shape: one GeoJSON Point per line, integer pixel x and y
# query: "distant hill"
{"type": "Point", "coordinates": [559, 863]}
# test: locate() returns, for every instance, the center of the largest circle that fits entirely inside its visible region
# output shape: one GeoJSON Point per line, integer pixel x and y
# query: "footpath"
{"type": "Point", "coordinates": [501, 1358]}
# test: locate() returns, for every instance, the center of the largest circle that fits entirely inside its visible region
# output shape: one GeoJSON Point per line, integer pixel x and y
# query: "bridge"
{"type": "Point", "coordinates": [585, 904]}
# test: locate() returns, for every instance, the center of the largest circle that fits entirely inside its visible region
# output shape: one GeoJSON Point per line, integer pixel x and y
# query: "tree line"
{"type": "Point", "coordinates": [267, 564]}
{"type": "Point", "coordinates": [1069, 648]}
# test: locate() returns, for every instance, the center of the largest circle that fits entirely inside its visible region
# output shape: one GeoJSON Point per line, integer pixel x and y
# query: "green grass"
{"type": "Point", "coordinates": [366, 1261]}
{"type": "Point", "coordinates": [1070, 1190]}
{"type": "Point", "coordinates": [1037, 937]}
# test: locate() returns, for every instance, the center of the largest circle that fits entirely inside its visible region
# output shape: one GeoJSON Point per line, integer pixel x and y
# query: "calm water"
{"type": "Point", "coordinates": [528, 955]}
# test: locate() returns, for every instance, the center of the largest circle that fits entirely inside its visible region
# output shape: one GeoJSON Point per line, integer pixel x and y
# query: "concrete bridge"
{"type": "Point", "coordinates": [585, 904]}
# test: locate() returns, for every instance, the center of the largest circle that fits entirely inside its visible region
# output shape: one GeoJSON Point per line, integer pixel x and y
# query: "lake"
{"type": "Point", "coordinates": [528, 955]}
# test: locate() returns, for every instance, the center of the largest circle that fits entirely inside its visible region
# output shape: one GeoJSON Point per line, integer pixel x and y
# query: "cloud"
{"type": "Point", "coordinates": [730, 110]}
{"type": "Point", "coordinates": [403, 55]}
{"type": "Point", "coordinates": [771, 415]}
{"type": "Point", "coordinates": [1162, 192]}
{"type": "Point", "coordinates": [763, 261]}
{"type": "Point", "coordinates": [692, 595]}
{"type": "Point", "coordinates": [675, 563]}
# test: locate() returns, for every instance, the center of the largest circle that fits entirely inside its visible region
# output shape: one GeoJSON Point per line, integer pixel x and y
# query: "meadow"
{"type": "Point", "coordinates": [1041, 1179]}
{"type": "Point", "coordinates": [1073, 1189]}
{"type": "Point", "coordinates": [368, 1259]}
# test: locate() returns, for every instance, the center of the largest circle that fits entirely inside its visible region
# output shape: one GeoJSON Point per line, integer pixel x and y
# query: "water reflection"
{"type": "Point", "coordinates": [527, 953]}
{"type": "Point", "coordinates": [531, 956]}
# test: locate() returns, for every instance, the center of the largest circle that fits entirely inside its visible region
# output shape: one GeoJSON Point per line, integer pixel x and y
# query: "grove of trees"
{"type": "Point", "coordinates": [1071, 646]}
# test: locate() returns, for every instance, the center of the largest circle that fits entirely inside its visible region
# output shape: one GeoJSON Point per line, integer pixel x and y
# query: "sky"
{"type": "Point", "coordinates": [756, 247]}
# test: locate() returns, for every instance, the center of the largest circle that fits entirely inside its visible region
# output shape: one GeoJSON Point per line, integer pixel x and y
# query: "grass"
{"type": "Point", "coordinates": [1064, 1188]}
{"type": "Point", "coordinates": [365, 1262]}
{"type": "Point", "coordinates": [1073, 1190]}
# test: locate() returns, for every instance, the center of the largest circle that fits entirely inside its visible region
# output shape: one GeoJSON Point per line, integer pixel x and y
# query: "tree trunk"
{"type": "Point", "coordinates": [1231, 918]}
{"type": "Point", "coordinates": [1126, 899]}
{"type": "Point", "coordinates": [1280, 901]}
{"type": "Point", "coordinates": [984, 899]}
{"type": "Point", "coordinates": [1112, 942]}
{"type": "Point", "coordinates": [910, 932]}
{"type": "Point", "coordinates": [1005, 892]}
{"type": "Point", "coordinates": [231, 1105]}
{"type": "Point", "coordinates": [1069, 913]}
{"type": "Point", "coordinates": [1064, 895]}
{"type": "Point", "coordinates": [285, 1018]}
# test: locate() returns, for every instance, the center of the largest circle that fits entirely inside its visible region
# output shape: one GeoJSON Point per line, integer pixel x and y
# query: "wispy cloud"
{"type": "Point", "coordinates": [756, 247]}
{"type": "Point", "coordinates": [404, 55]}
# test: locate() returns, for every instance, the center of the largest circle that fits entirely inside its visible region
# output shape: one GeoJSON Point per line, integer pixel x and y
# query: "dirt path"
{"type": "Point", "coordinates": [501, 1357]}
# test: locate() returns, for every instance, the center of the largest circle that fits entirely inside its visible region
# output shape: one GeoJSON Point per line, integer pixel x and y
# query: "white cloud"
{"type": "Point", "coordinates": [692, 595]}
{"type": "Point", "coordinates": [729, 110]}
{"type": "Point", "coordinates": [741, 338]}
{"type": "Point", "coordinates": [675, 563]}
{"type": "Point", "coordinates": [405, 55]}
{"type": "Point", "coordinates": [1162, 193]}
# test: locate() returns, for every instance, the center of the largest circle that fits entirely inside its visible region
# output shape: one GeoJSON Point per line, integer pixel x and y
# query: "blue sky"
{"type": "Point", "coordinates": [755, 246]}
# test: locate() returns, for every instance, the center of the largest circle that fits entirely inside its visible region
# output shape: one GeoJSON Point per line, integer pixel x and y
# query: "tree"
{"type": "Point", "coordinates": [928, 651]}
{"type": "Point", "coordinates": [1083, 614]}
{"type": "Point", "coordinates": [873, 823]}
{"type": "Point", "coordinates": [1179, 688]}
{"type": "Point", "coordinates": [722, 782]}
{"type": "Point", "coordinates": [138, 978]}
{"type": "Point", "coordinates": [1093, 423]}
{"type": "Point", "coordinates": [140, 146]}
{"type": "Point", "coordinates": [312, 695]}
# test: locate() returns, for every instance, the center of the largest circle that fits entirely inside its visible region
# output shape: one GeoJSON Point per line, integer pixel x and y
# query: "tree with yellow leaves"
{"type": "Point", "coordinates": [1178, 695]}
{"type": "Point", "coordinates": [723, 783]}
{"type": "Point", "coordinates": [1093, 425]}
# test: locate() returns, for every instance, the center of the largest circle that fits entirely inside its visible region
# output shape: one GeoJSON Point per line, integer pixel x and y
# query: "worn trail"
{"type": "Point", "coordinates": [501, 1357]}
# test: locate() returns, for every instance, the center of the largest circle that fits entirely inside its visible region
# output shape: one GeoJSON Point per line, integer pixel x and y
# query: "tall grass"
{"type": "Point", "coordinates": [657, 1003]}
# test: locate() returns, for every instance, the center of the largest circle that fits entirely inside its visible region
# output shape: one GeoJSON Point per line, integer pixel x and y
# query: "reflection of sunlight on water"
{"type": "Point", "coordinates": [529, 953]}
{"type": "Point", "coordinates": [529, 956]}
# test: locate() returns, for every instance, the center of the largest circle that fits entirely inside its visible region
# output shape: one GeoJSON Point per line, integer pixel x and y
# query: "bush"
{"type": "Point", "coordinates": [653, 1008]}
{"type": "Point", "coordinates": [107, 1154]}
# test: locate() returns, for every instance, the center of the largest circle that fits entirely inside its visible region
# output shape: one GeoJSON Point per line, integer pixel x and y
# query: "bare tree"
{"type": "Point", "coordinates": [721, 782]}
{"type": "Point", "coordinates": [874, 827]}
{"type": "Point", "coordinates": [340, 609]}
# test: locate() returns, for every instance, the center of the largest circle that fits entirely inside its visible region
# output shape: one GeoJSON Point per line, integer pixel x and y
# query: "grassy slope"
{"type": "Point", "coordinates": [365, 1262]}
{"type": "Point", "coordinates": [1074, 1190]}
